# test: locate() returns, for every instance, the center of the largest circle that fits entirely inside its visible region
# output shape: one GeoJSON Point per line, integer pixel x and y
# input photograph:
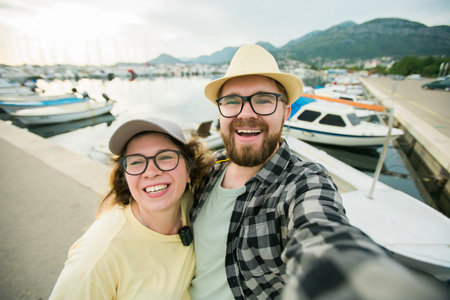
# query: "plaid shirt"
{"type": "Point", "coordinates": [289, 226]}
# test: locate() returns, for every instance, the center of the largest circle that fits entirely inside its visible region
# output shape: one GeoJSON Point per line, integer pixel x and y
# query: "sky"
{"type": "Point", "coordinates": [104, 32]}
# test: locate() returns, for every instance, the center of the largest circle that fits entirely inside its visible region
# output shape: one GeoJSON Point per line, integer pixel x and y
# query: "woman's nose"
{"type": "Point", "coordinates": [152, 170]}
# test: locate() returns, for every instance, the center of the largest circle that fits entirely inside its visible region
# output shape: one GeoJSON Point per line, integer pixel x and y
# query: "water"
{"type": "Point", "coordinates": [181, 100]}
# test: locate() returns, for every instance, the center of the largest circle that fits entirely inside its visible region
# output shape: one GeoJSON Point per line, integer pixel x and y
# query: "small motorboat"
{"type": "Point", "coordinates": [11, 104]}
{"type": "Point", "coordinates": [63, 113]}
{"type": "Point", "coordinates": [334, 124]}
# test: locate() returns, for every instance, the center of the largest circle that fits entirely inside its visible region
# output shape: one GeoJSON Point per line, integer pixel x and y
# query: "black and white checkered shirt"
{"type": "Point", "coordinates": [289, 225]}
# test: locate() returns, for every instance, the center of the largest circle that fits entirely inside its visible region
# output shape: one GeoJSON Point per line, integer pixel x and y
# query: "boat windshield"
{"type": "Point", "coordinates": [308, 115]}
{"type": "Point", "coordinates": [354, 119]}
{"type": "Point", "coordinates": [333, 120]}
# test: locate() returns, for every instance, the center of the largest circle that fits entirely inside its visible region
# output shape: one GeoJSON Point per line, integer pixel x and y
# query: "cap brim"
{"type": "Point", "coordinates": [129, 129]}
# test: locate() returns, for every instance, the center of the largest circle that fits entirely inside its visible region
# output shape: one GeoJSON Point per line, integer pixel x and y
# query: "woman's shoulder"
{"type": "Point", "coordinates": [94, 243]}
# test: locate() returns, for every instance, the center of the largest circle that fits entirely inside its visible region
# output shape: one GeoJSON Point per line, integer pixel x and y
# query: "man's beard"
{"type": "Point", "coordinates": [246, 156]}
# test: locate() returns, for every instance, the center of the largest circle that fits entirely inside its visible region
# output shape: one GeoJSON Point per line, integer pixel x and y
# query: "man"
{"type": "Point", "coordinates": [264, 219]}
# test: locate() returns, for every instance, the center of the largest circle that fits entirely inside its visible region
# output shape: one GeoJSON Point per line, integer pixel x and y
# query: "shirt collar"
{"type": "Point", "coordinates": [275, 166]}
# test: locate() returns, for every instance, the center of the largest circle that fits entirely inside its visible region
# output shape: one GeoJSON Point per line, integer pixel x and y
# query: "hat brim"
{"type": "Point", "coordinates": [126, 131]}
{"type": "Point", "coordinates": [292, 84]}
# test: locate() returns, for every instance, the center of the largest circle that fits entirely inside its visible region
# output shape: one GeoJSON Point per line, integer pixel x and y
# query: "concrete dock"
{"type": "Point", "coordinates": [50, 194]}
{"type": "Point", "coordinates": [424, 115]}
{"type": "Point", "coordinates": [49, 197]}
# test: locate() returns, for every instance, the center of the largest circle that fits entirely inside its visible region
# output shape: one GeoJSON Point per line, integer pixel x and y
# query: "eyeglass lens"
{"type": "Point", "coordinates": [136, 164]}
{"type": "Point", "coordinates": [261, 103]}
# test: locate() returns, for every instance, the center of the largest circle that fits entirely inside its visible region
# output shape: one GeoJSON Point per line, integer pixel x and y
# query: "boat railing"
{"type": "Point", "coordinates": [352, 103]}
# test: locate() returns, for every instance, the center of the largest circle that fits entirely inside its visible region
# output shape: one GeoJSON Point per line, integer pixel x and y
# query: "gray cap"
{"type": "Point", "coordinates": [127, 130]}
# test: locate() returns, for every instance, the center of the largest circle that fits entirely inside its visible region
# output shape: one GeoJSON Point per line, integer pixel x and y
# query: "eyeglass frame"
{"type": "Point", "coordinates": [123, 158]}
{"type": "Point", "coordinates": [249, 98]}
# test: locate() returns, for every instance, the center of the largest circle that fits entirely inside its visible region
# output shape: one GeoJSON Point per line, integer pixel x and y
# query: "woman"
{"type": "Point", "coordinates": [140, 245]}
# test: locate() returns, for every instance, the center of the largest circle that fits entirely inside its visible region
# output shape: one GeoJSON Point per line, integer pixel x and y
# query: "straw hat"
{"type": "Point", "coordinates": [129, 129]}
{"type": "Point", "coordinates": [255, 60]}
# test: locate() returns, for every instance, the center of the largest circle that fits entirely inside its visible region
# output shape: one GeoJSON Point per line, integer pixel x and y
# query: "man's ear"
{"type": "Point", "coordinates": [287, 112]}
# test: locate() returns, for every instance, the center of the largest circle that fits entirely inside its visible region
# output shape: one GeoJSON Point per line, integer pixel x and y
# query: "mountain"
{"type": "Point", "coordinates": [384, 37]}
{"type": "Point", "coordinates": [219, 57]}
{"type": "Point", "coordinates": [165, 59]}
{"type": "Point", "coordinates": [376, 38]}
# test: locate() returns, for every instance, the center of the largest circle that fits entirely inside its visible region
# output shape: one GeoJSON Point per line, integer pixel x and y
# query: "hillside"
{"type": "Point", "coordinates": [388, 37]}
{"type": "Point", "coordinates": [376, 38]}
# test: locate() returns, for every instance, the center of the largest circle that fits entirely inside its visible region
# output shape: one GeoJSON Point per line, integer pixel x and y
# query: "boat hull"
{"type": "Point", "coordinates": [339, 139]}
{"type": "Point", "coordinates": [414, 233]}
{"type": "Point", "coordinates": [13, 104]}
{"type": "Point", "coordinates": [51, 115]}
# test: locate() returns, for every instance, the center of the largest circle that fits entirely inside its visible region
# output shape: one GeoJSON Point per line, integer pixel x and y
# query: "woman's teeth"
{"type": "Point", "coordinates": [156, 188]}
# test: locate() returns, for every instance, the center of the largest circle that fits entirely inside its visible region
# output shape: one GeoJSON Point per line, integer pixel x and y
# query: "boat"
{"type": "Point", "coordinates": [62, 113]}
{"type": "Point", "coordinates": [210, 134]}
{"type": "Point", "coordinates": [11, 104]}
{"type": "Point", "coordinates": [413, 232]}
{"type": "Point", "coordinates": [49, 130]}
{"type": "Point", "coordinates": [16, 90]}
{"type": "Point", "coordinates": [334, 124]}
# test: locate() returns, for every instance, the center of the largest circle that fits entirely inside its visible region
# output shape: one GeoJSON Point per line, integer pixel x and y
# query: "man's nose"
{"type": "Point", "coordinates": [247, 111]}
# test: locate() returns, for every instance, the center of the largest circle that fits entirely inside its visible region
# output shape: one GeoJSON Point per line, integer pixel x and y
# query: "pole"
{"type": "Point", "coordinates": [376, 175]}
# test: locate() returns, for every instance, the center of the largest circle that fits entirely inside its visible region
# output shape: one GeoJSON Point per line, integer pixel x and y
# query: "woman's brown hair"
{"type": "Point", "coordinates": [198, 161]}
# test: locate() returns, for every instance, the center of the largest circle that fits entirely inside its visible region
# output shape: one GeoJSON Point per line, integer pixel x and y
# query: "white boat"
{"type": "Point", "coordinates": [416, 234]}
{"type": "Point", "coordinates": [16, 90]}
{"type": "Point", "coordinates": [62, 113]}
{"type": "Point", "coordinates": [11, 103]}
{"type": "Point", "coordinates": [335, 124]}
{"type": "Point", "coordinates": [49, 130]}
{"type": "Point", "coordinates": [211, 136]}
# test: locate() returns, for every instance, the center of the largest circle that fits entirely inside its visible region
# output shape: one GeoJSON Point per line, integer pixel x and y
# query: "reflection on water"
{"type": "Point", "coordinates": [181, 100]}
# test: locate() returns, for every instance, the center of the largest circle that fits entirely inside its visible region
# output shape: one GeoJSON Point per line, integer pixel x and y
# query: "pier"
{"type": "Point", "coordinates": [49, 198]}
{"type": "Point", "coordinates": [424, 115]}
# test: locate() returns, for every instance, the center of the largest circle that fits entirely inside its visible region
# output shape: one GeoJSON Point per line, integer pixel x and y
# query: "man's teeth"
{"type": "Point", "coordinates": [248, 131]}
{"type": "Point", "coordinates": [156, 188]}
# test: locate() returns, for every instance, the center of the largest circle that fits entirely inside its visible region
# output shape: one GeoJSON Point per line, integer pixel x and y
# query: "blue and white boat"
{"type": "Point", "coordinates": [334, 124]}
{"type": "Point", "coordinates": [11, 104]}
{"type": "Point", "coordinates": [53, 114]}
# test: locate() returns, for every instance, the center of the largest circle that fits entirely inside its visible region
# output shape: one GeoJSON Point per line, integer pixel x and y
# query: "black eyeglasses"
{"type": "Point", "coordinates": [261, 103]}
{"type": "Point", "coordinates": [165, 160]}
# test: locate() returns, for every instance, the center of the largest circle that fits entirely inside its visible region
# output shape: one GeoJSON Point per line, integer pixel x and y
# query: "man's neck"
{"type": "Point", "coordinates": [236, 176]}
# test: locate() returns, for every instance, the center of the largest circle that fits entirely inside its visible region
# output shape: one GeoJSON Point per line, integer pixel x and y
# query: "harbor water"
{"type": "Point", "coordinates": [181, 100]}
